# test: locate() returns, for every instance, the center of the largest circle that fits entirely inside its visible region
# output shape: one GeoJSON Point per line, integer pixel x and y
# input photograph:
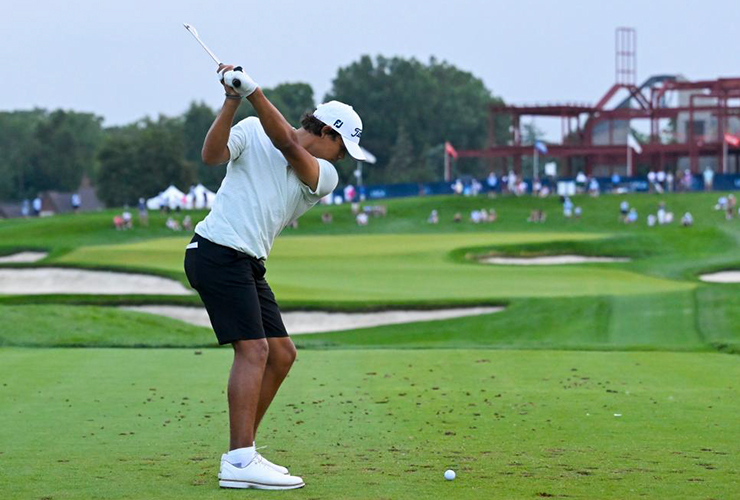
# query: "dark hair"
{"type": "Point", "coordinates": [314, 125]}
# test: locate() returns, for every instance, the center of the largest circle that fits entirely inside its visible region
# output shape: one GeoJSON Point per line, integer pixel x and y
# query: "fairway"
{"type": "Point", "coordinates": [368, 424]}
{"type": "Point", "coordinates": [354, 268]}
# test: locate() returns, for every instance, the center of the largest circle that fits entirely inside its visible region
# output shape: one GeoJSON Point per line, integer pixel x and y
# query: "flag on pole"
{"type": "Point", "coordinates": [541, 147]}
{"type": "Point", "coordinates": [732, 140]}
{"type": "Point", "coordinates": [632, 143]}
{"type": "Point", "coordinates": [450, 150]}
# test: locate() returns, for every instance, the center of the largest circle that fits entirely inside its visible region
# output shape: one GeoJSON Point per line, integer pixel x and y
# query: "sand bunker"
{"type": "Point", "coordinates": [49, 280]}
{"type": "Point", "coordinates": [300, 322]}
{"type": "Point", "coordinates": [722, 277]}
{"type": "Point", "coordinates": [22, 257]}
{"type": "Point", "coordinates": [549, 260]}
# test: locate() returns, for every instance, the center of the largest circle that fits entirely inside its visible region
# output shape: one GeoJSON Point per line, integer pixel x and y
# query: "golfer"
{"type": "Point", "coordinates": [274, 174]}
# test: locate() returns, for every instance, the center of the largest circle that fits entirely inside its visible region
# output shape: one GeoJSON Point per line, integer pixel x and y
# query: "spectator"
{"type": "Point", "coordinates": [362, 219]}
{"type": "Point", "coordinates": [458, 187]}
{"type": "Point", "coordinates": [172, 224]}
{"type": "Point", "coordinates": [581, 180]}
{"type": "Point", "coordinates": [631, 216]}
{"type": "Point", "coordinates": [708, 178]}
{"type": "Point", "coordinates": [475, 216]}
{"type": "Point", "coordinates": [721, 203]}
{"type": "Point", "coordinates": [624, 209]}
{"type": "Point", "coordinates": [492, 216]}
{"type": "Point", "coordinates": [128, 221]}
{"type": "Point", "coordinates": [651, 220]}
{"type": "Point", "coordinates": [187, 223]}
{"type": "Point", "coordinates": [567, 208]}
{"type": "Point", "coordinates": [660, 180]}
{"type": "Point", "coordinates": [511, 182]}
{"type": "Point", "coordinates": [143, 213]}
{"type": "Point", "coordinates": [687, 180]}
{"type": "Point", "coordinates": [578, 211]}
{"type": "Point", "coordinates": [26, 208]}
{"type": "Point", "coordinates": [326, 218]}
{"type": "Point", "coordinates": [651, 181]}
{"type": "Point", "coordinates": [76, 202]}
{"type": "Point", "coordinates": [616, 180]}
{"type": "Point", "coordinates": [669, 181]}
{"type": "Point", "coordinates": [349, 193]}
{"type": "Point", "coordinates": [492, 182]}
{"type": "Point", "coordinates": [687, 220]}
{"type": "Point", "coordinates": [521, 187]}
{"type": "Point", "coordinates": [593, 187]}
{"type": "Point", "coordinates": [457, 217]}
{"type": "Point", "coordinates": [536, 187]}
{"type": "Point", "coordinates": [544, 192]}
{"type": "Point", "coordinates": [475, 187]}
{"type": "Point", "coordinates": [433, 217]}
{"type": "Point", "coordinates": [537, 216]}
{"type": "Point", "coordinates": [37, 206]}
{"type": "Point", "coordinates": [661, 213]}
{"type": "Point", "coordinates": [118, 222]}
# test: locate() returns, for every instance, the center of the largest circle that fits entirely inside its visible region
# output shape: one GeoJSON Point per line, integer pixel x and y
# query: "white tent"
{"type": "Point", "coordinates": [170, 197]}
{"type": "Point", "coordinates": [200, 197]}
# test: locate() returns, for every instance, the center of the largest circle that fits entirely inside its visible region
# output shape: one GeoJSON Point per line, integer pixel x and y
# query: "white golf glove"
{"type": "Point", "coordinates": [238, 80]}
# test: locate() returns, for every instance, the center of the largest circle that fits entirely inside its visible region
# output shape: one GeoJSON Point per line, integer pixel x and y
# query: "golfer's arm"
{"type": "Point", "coordinates": [285, 139]}
{"type": "Point", "coordinates": [215, 151]}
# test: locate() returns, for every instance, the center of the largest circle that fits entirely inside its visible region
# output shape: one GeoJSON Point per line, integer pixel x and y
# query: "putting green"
{"type": "Point", "coordinates": [399, 268]}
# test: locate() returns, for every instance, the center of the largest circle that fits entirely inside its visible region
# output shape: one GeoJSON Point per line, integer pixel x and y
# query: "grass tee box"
{"type": "Point", "coordinates": [142, 423]}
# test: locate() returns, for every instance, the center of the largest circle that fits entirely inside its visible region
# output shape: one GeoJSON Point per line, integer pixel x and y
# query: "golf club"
{"type": "Point", "coordinates": [231, 78]}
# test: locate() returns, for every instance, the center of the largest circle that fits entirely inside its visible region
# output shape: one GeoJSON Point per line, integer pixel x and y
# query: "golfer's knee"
{"type": "Point", "coordinates": [253, 351]}
{"type": "Point", "coordinates": [282, 357]}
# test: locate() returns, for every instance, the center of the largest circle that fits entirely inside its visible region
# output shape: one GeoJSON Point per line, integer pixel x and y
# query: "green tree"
{"type": "Point", "coordinates": [142, 160]}
{"type": "Point", "coordinates": [197, 120]}
{"type": "Point", "coordinates": [293, 100]}
{"type": "Point", "coordinates": [433, 103]}
{"type": "Point", "coordinates": [17, 142]}
{"type": "Point", "coordinates": [402, 160]}
{"type": "Point", "coordinates": [65, 148]}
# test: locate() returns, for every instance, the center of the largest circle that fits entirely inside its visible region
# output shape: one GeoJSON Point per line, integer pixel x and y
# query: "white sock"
{"type": "Point", "coordinates": [240, 457]}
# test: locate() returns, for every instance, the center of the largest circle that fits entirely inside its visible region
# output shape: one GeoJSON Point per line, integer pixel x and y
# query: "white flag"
{"type": "Point", "coordinates": [632, 142]}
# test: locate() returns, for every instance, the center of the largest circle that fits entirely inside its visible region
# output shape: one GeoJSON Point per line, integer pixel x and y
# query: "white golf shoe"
{"type": "Point", "coordinates": [258, 475]}
{"type": "Point", "coordinates": [279, 468]}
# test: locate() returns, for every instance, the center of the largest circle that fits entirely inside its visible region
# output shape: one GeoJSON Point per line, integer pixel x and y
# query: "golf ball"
{"type": "Point", "coordinates": [449, 474]}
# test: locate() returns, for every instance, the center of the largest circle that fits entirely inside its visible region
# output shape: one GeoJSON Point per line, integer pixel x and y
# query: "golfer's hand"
{"type": "Point", "coordinates": [245, 85]}
{"type": "Point", "coordinates": [223, 68]}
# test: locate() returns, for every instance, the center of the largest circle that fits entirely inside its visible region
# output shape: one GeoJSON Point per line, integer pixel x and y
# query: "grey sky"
{"type": "Point", "coordinates": [128, 59]}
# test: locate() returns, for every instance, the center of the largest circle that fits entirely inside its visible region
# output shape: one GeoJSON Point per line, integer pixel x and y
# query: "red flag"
{"type": "Point", "coordinates": [732, 140]}
{"type": "Point", "coordinates": [450, 150]}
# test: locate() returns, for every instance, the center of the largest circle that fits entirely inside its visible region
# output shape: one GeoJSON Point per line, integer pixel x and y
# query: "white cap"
{"type": "Point", "coordinates": [344, 120]}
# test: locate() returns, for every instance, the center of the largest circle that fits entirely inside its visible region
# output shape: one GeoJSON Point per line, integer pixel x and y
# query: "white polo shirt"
{"type": "Point", "coordinates": [261, 194]}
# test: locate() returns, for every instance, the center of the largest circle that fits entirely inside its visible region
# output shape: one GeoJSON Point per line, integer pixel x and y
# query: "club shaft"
{"type": "Point", "coordinates": [213, 56]}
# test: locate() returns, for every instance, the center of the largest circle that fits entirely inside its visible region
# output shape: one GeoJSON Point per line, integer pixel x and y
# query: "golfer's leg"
{"type": "Point", "coordinates": [281, 357]}
{"type": "Point", "coordinates": [245, 382]}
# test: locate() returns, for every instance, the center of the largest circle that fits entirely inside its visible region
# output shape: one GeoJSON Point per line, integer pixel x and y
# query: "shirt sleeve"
{"type": "Point", "coordinates": [239, 137]}
{"type": "Point", "coordinates": [328, 180]}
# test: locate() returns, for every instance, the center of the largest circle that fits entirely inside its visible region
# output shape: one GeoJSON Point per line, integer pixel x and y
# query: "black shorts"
{"type": "Point", "coordinates": [233, 288]}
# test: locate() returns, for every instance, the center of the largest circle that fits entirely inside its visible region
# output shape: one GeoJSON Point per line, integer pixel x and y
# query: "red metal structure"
{"type": "Point", "coordinates": [696, 115]}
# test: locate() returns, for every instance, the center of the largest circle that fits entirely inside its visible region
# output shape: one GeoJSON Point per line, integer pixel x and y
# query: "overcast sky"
{"type": "Point", "coordinates": [128, 59]}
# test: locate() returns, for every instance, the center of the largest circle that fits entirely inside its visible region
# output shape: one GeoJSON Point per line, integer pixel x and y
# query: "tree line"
{"type": "Point", "coordinates": [409, 108]}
